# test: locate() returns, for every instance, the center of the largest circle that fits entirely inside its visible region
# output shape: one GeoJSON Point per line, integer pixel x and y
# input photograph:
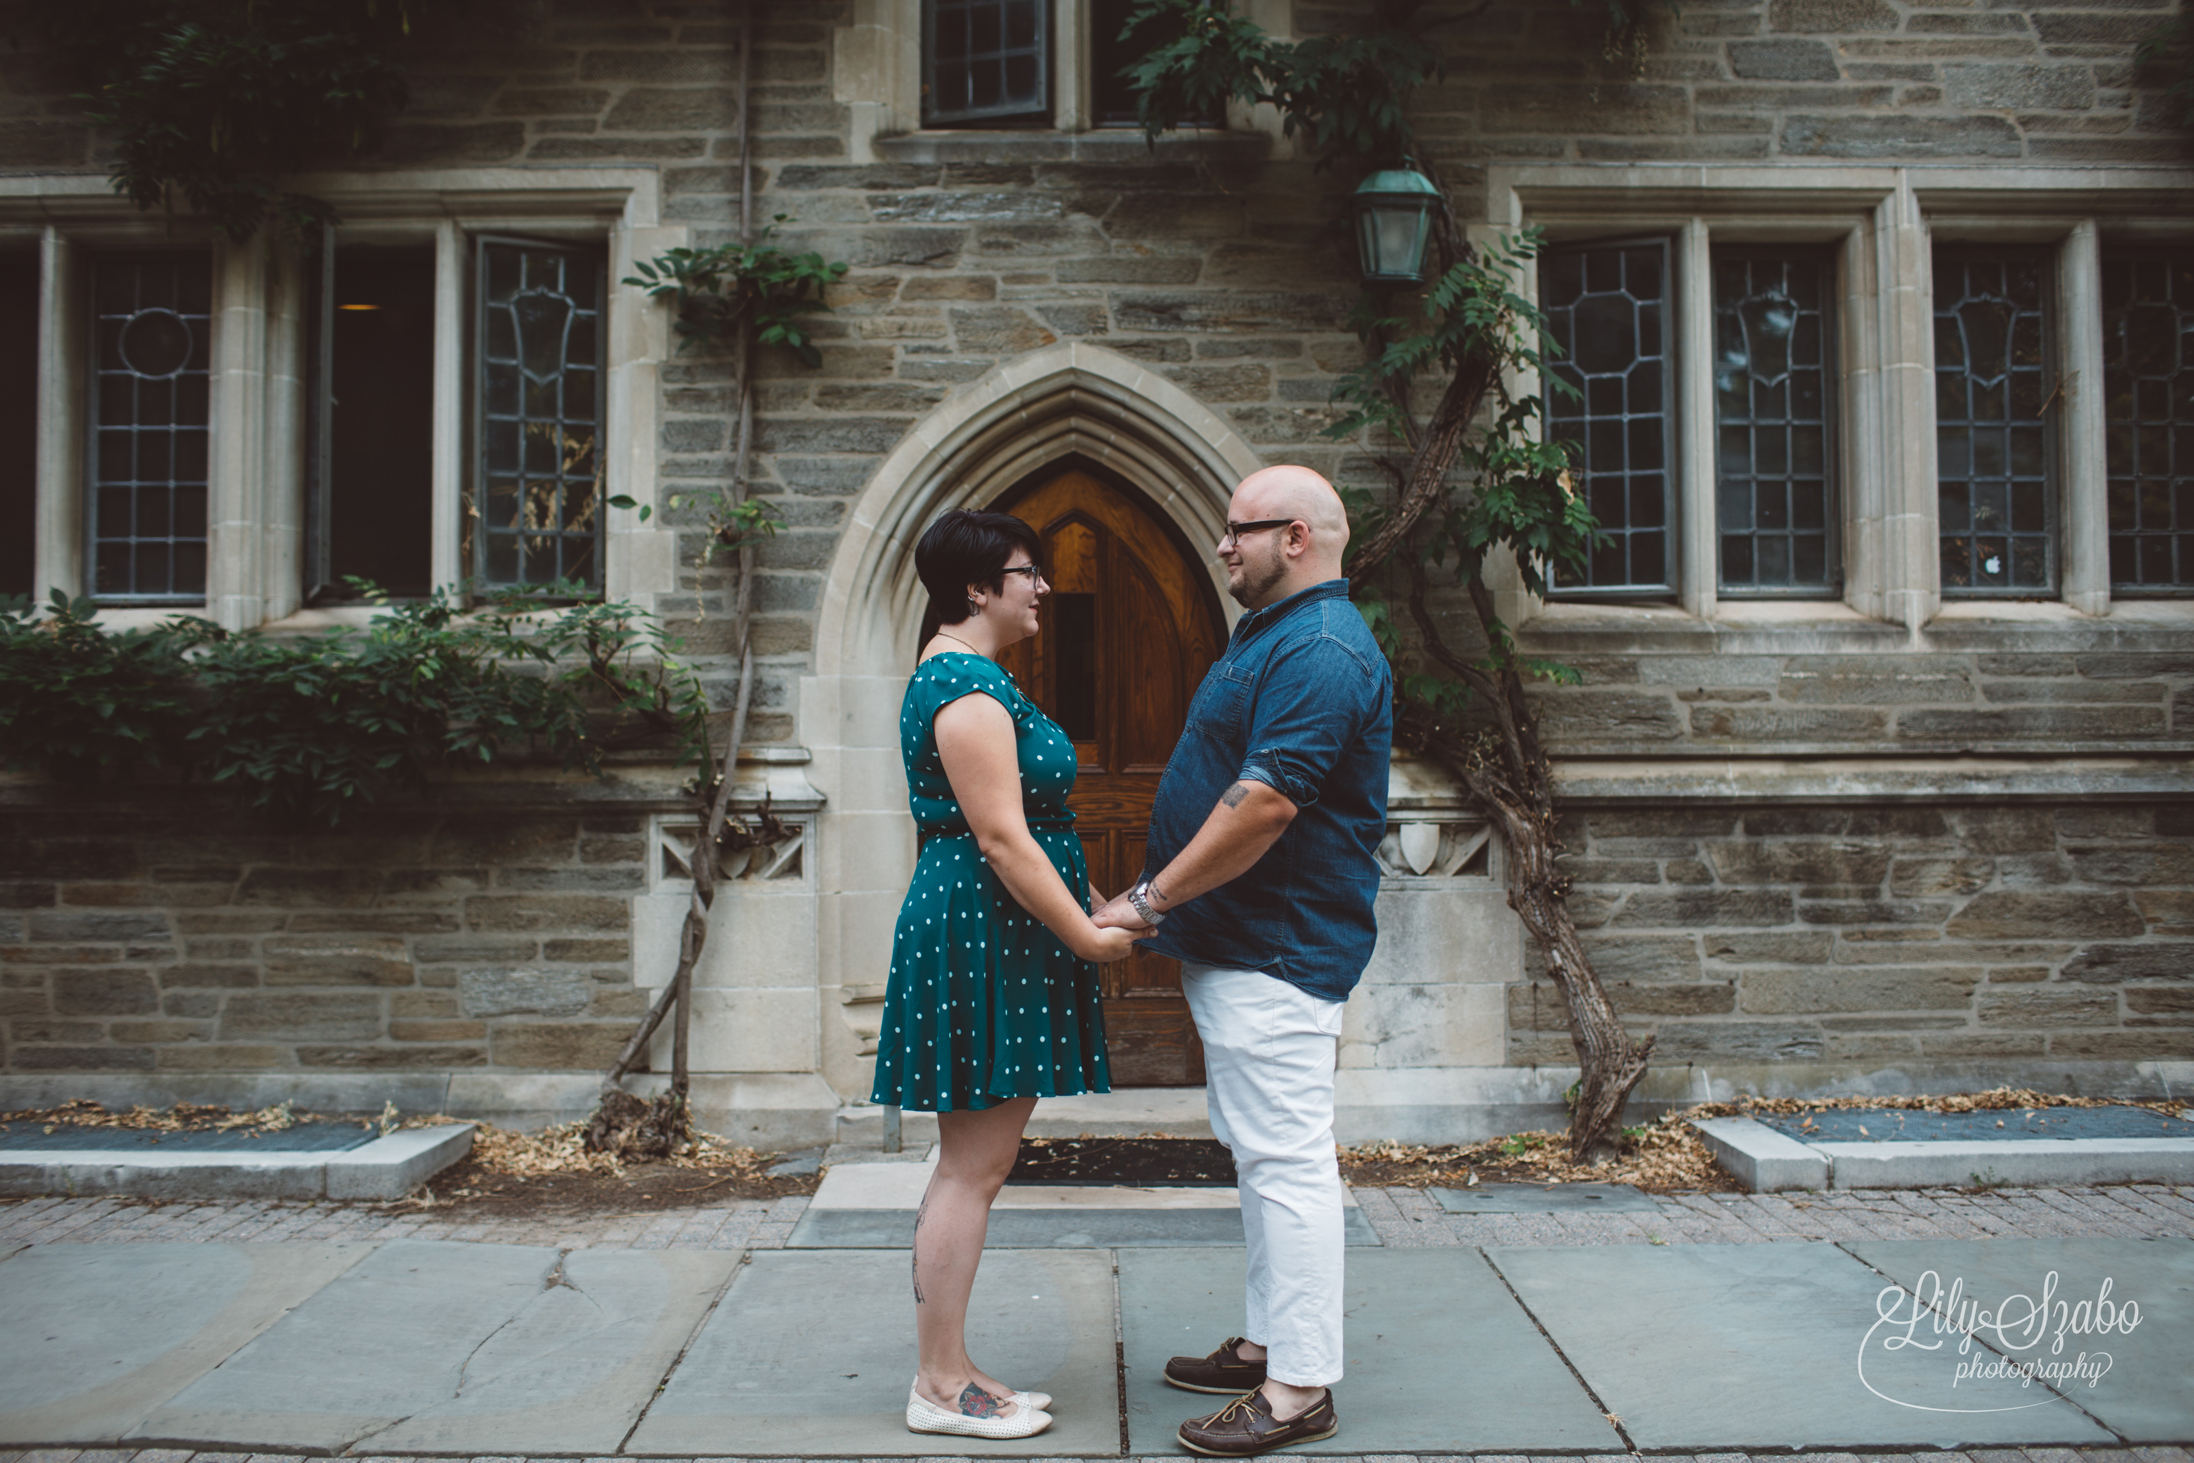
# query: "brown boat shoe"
{"type": "Point", "coordinates": [1246, 1426]}
{"type": "Point", "coordinates": [1226, 1372]}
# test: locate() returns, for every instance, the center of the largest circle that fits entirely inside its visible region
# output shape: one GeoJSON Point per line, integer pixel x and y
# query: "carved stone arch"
{"type": "Point", "coordinates": [1066, 400]}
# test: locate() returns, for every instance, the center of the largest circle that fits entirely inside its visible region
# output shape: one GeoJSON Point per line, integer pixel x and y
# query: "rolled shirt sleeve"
{"type": "Point", "coordinates": [1315, 701]}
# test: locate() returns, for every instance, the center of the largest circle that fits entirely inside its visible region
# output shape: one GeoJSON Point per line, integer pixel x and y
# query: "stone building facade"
{"type": "Point", "coordinates": [1865, 789]}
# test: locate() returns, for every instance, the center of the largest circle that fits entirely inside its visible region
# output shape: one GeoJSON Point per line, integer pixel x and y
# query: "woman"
{"type": "Point", "coordinates": [993, 995]}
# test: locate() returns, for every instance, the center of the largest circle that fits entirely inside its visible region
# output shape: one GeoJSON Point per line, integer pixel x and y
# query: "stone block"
{"type": "Point", "coordinates": [2033, 723]}
{"type": "Point", "coordinates": [1694, 908]}
{"type": "Point", "coordinates": [48, 1032]}
{"type": "Point", "coordinates": [423, 143]}
{"type": "Point", "coordinates": [157, 1033]}
{"type": "Point", "coordinates": [506, 912]}
{"type": "Point", "coordinates": [2177, 1001]}
{"type": "Point", "coordinates": [1904, 138]}
{"type": "Point", "coordinates": [2150, 1045]}
{"type": "Point", "coordinates": [2150, 867]}
{"type": "Point", "coordinates": [1980, 1044]}
{"type": "Point", "coordinates": [1667, 998]}
{"type": "Point", "coordinates": [430, 886]}
{"type": "Point", "coordinates": [2005, 830]}
{"type": "Point", "coordinates": [1795, 862]}
{"type": "Point", "coordinates": [2016, 916]}
{"type": "Point", "coordinates": [461, 948]}
{"type": "Point", "coordinates": [386, 1058]}
{"type": "Point", "coordinates": [1877, 680]}
{"type": "Point", "coordinates": [840, 434]}
{"type": "Point", "coordinates": [22, 894]}
{"type": "Point", "coordinates": [1824, 906]}
{"type": "Point", "coordinates": [28, 1058]}
{"type": "Point", "coordinates": [558, 1046]}
{"type": "Point", "coordinates": [1832, 17]}
{"type": "Point", "coordinates": [336, 960]}
{"type": "Point", "coordinates": [62, 859]}
{"type": "Point", "coordinates": [342, 888]}
{"type": "Point", "coordinates": [1783, 60]}
{"type": "Point", "coordinates": [476, 842]}
{"type": "Point", "coordinates": [209, 975]}
{"type": "Point", "coordinates": [585, 951]}
{"type": "Point", "coordinates": [1709, 670]}
{"type": "Point", "coordinates": [2162, 960]}
{"type": "Point", "coordinates": [1594, 714]}
{"type": "Point", "coordinates": [505, 991]}
{"type": "Point", "coordinates": [297, 1017]}
{"type": "Point", "coordinates": [626, 878]}
{"type": "Point", "coordinates": [104, 991]}
{"type": "Point", "coordinates": [1737, 1040]}
{"type": "Point", "coordinates": [1859, 988]}
{"type": "Point", "coordinates": [1920, 877]}
{"type": "Point", "coordinates": [1227, 310]}
{"type": "Point", "coordinates": [1644, 957]}
{"type": "Point", "coordinates": [54, 927]}
{"type": "Point", "coordinates": [1802, 947]}
{"type": "Point", "coordinates": [2049, 1006]}
{"type": "Point", "coordinates": [1786, 724]}
{"type": "Point", "coordinates": [2014, 87]}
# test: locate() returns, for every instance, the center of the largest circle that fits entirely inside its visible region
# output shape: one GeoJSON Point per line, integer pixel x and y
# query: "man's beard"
{"type": "Point", "coordinates": [1257, 578]}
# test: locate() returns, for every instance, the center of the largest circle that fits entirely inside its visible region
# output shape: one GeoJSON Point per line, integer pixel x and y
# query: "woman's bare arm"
{"type": "Point", "coordinates": [976, 743]}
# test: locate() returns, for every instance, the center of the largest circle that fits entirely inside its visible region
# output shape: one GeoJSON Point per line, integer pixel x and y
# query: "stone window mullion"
{"type": "Point", "coordinates": [2082, 472]}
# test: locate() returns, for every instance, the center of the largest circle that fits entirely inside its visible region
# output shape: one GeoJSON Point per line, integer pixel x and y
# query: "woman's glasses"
{"type": "Point", "coordinates": [1034, 573]}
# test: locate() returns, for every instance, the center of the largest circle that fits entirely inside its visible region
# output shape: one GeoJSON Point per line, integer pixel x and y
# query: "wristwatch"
{"type": "Point", "coordinates": [1139, 896]}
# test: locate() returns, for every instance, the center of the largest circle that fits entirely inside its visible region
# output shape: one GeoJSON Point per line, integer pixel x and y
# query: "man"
{"type": "Point", "coordinates": [1260, 877]}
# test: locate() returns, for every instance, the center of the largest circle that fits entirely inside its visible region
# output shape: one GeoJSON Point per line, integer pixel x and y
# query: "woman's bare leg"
{"type": "Point", "coordinates": [975, 1152]}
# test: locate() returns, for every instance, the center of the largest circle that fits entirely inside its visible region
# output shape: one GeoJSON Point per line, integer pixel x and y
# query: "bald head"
{"type": "Point", "coordinates": [1271, 564]}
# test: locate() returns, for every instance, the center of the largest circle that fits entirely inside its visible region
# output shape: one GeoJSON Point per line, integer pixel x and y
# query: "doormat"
{"type": "Point", "coordinates": [1127, 1162]}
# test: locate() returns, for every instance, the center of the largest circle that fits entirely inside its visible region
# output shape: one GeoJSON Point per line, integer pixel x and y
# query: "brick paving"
{"type": "Point", "coordinates": [1975, 1455]}
{"type": "Point", "coordinates": [1404, 1218]}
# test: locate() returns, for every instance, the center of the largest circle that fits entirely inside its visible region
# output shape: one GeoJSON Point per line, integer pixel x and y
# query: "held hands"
{"type": "Point", "coordinates": [1103, 945]}
{"type": "Point", "coordinates": [1117, 913]}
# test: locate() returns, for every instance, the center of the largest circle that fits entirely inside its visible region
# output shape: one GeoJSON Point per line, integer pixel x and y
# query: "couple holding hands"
{"type": "Point", "coordinates": [1260, 879]}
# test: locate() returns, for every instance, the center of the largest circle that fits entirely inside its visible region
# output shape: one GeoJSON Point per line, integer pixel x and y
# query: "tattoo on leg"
{"type": "Point", "coordinates": [914, 1254]}
{"type": "Point", "coordinates": [1233, 796]}
{"type": "Point", "coordinates": [975, 1402]}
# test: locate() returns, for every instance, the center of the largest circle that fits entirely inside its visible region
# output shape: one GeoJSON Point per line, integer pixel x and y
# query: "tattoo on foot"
{"type": "Point", "coordinates": [975, 1402]}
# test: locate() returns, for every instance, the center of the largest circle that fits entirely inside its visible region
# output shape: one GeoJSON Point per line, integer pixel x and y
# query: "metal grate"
{"type": "Point", "coordinates": [985, 60]}
{"type": "Point", "coordinates": [151, 333]}
{"type": "Point", "coordinates": [2148, 403]}
{"type": "Point", "coordinates": [1606, 306]}
{"type": "Point", "coordinates": [537, 500]}
{"type": "Point", "coordinates": [1993, 378]}
{"type": "Point", "coordinates": [1774, 448]}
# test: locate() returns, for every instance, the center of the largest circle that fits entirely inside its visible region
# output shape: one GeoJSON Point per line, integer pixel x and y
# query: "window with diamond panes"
{"type": "Point", "coordinates": [2148, 404]}
{"type": "Point", "coordinates": [1773, 416]}
{"type": "Point", "coordinates": [985, 61]}
{"type": "Point", "coordinates": [536, 511]}
{"type": "Point", "coordinates": [151, 319]}
{"type": "Point", "coordinates": [1993, 381]}
{"type": "Point", "coordinates": [1606, 307]}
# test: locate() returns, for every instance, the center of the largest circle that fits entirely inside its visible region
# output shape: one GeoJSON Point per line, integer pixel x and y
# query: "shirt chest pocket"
{"type": "Point", "coordinates": [1217, 710]}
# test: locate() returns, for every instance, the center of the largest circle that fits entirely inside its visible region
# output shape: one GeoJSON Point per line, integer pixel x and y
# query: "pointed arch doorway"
{"type": "Point", "coordinates": [1130, 627]}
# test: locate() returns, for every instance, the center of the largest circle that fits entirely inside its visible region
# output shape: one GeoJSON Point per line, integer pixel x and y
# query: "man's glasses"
{"type": "Point", "coordinates": [1236, 530]}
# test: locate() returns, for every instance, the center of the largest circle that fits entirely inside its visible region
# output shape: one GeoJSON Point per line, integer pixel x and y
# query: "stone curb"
{"type": "Point", "coordinates": [386, 1168]}
{"type": "Point", "coordinates": [1766, 1161]}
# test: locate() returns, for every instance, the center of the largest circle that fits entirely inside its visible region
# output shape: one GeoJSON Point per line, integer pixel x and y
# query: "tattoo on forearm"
{"type": "Point", "coordinates": [975, 1402]}
{"type": "Point", "coordinates": [1233, 796]}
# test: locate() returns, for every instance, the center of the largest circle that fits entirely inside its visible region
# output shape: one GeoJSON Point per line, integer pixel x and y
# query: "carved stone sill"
{"type": "Point", "coordinates": [1116, 146]}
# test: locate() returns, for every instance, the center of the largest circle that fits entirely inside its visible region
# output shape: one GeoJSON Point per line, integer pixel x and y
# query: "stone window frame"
{"type": "Point", "coordinates": [876, 73]}
{"type": "Point", "coordinates": [1883, 223]}
{"type": "Point", "coordinates": [256, 563]}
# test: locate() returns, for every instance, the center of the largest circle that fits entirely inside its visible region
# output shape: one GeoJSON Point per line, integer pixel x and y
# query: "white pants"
{"type": "Point", "coordinates": [1269, 1052]}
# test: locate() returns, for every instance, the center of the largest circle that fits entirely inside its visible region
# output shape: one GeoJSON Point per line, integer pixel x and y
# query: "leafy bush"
{"type": "Point", "coordinates": [313, 726]}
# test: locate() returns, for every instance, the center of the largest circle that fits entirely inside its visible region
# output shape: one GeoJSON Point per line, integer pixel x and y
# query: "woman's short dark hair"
{"type": "Point", "coordinates": [963, 548]}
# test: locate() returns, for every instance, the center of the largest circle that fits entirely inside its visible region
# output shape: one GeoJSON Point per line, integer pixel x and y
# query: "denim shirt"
{"type": "Point", "coordinates": [1303, 702]}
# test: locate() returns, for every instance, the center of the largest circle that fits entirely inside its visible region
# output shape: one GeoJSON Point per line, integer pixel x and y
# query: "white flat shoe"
{"type": "Point", "coordinates": [1041, 1401]}
{"type": "Point", "coordinates": [924, 1416]}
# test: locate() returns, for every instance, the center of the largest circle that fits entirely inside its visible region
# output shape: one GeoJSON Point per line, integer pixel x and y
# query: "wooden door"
{"type": "Point", "coordinates": [1129, 629]}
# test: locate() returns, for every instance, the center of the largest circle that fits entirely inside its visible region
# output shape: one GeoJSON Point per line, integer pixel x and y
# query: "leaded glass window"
{"type": "Point", "coordinates": [151, 334]}
{"type": "Point", "coordinates": [2148, 394]}
{"type": "Point", "coordinates": [536, 505]}
{"type": "Point", "coordinates": [985, 60]}
{"type": "Point", "coordinates": [1993, 380]}
{"type": "Point", "coordinates": [1774, 448]}
{"type": "Point", "coordinates": [1607, 306]}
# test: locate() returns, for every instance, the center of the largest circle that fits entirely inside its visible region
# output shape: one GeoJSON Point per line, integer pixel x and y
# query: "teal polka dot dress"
{"type": "Point", "coordinates": [984, 1003]}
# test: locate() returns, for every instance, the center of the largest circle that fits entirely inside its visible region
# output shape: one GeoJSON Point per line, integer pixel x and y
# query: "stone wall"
{"type": "Point", "coordinates": [185, 941]}
{"type": "Point", "coordinates": [2028, 937]}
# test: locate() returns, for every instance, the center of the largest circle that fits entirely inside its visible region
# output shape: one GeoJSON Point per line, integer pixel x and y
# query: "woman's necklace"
{"type": "Point", "coordinates": [942, 635]}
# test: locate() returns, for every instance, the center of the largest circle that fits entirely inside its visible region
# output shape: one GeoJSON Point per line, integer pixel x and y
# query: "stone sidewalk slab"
{"type": "Point", "coordinates": [1439, 1356]}
{"type": "Point", "coordinates": [1545, 1199]}
{"type": "Point", "coordinates": [1706, 1348]}
{"type": "Point", "coordinates": [2146, 1392]}
{"type": "Point", "coordinates": [812, 1354]}
{"type": "Point", "coordinates": [438, 1347]}
{"type": "Point", "coordinates": [94, 1338]}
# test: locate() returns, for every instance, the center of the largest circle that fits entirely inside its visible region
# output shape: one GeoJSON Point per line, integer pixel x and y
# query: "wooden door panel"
{"type": "Point", "coordinates": [1130, 627]}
